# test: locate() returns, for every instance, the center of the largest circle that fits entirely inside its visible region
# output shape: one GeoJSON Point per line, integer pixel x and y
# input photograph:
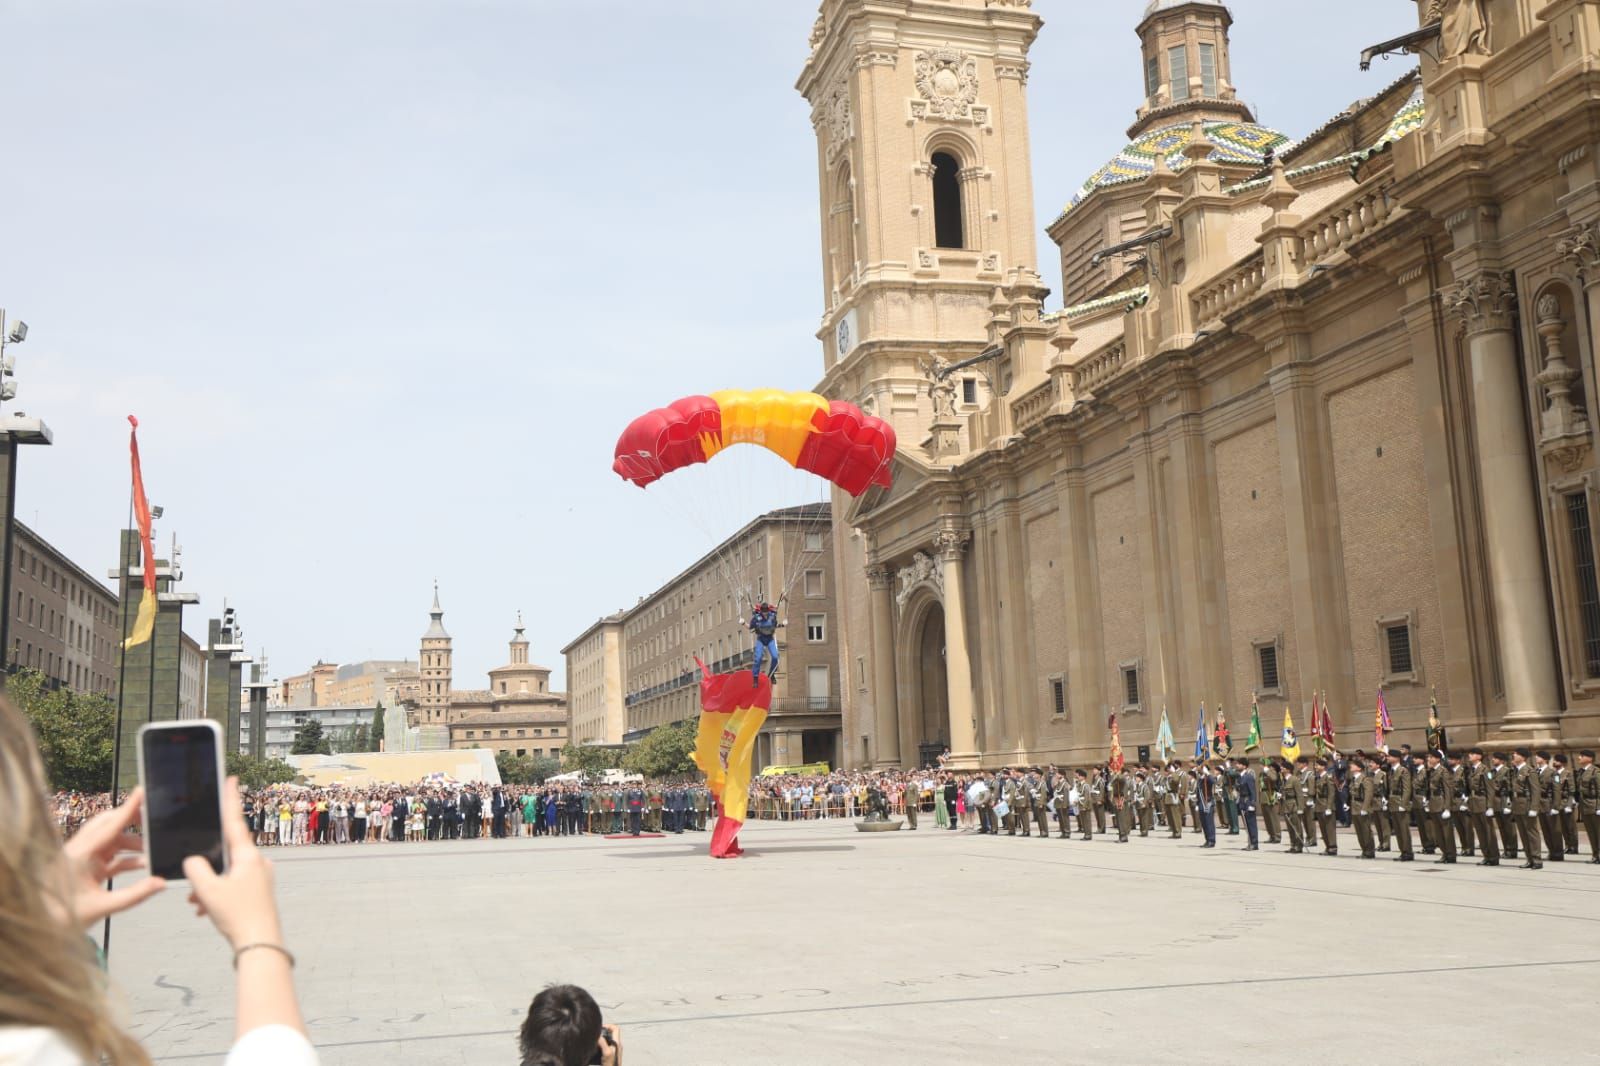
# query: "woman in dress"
{"type": "Point", "coordinates": [963, 816]}
{"type": "Point", "coordinates": [552, 813]}
{"type": "Point", "coordinates": [941, 814]}
{"type": "Point", "coordinates": [285, 821]}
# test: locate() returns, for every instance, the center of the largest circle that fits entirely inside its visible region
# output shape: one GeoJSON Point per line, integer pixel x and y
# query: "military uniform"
{"type": "Point", "coordinates": [1440, 792]}
{"type": "Point", "coordinates": [1588, 788]}
{"type": "Point", "coordinates": [1326, 804]}
{"type": "Point", "coordinates": [1419, 809]}
{"type": "Point", "coordinates": [913, 803]}
{"type": "Point", "coordinates": [1501, 778]}
{"type": "Point", "coordinates": [1308, 806]}
{"type": "Point", "coordinates": [1098, 798]}
{"type": "Point", "coordinates": [702, 804]}
{"type": "Point", "coordinates": [1567, 807]}
{"type": "Point", "coordinates": [1380, 816]}
{"type": "Point", "coordinates": [1271, 787]}
{"type": "Point", "coordinates": [1122, 804]}
{"type": "Point", "coordinates": [1478, 800]}
{"type": "Point", "coordinates": [1460, 816]}
{"type": "Point", "coordinates": [1060, 785]}
{"type": "Point", "coordinates": [1402, 788]}
{"type": "Point", "coordinates": [1554, 847]}
{"type": "Point", "coordinates": [1364, 807]}
{"type": "Point", "coordinates": [1525, 809]}
{"type": "Point", "coordinates": [1039, 797]}
{"type": "Point", "coordinates": [1085, 804]}
{"type": "Point", "coordinates": [1293, 802]}
{"type": "Point", "coordinates": [1144, 803]}
{"type": "Point", "coordinates": [657, 805]}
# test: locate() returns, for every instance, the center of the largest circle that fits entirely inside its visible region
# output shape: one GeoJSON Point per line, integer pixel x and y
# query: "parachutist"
{"type": "Point", "coordinates": [765, 625]}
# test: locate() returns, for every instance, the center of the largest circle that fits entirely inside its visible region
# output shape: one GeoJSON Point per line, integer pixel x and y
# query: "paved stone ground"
{"type": "Point", "coordinates": [825, 945]}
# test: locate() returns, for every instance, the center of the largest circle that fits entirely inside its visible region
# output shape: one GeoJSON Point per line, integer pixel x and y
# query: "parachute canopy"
{"type": "Point", "coordinates": [829, 438]}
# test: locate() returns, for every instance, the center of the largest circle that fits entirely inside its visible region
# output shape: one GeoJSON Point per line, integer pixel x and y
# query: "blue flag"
{"type": "Point", "coordinates": [1202, 743]}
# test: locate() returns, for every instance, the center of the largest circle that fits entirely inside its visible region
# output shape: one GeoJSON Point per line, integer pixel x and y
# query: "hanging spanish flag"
{"type": "Point", "coordinates": [144, 623]}
{"type": "Point", "coordinates": [731, 713]}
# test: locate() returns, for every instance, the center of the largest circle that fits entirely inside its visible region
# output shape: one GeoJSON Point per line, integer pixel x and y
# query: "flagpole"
{"type": "Point", "coordinates": [116, 739]}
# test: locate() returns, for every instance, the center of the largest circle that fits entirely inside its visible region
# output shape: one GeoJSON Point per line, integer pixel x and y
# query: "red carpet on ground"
{"type": "Point", "coordinates": [630, 836]}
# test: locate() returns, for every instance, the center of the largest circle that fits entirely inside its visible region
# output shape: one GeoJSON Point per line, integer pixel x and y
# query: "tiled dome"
{"type": "Point", "coordinates": [1236, 142]}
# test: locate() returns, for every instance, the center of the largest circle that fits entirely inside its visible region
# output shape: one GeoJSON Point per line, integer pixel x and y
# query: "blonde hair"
{"type": "Point", "coordinates": [49, 976]}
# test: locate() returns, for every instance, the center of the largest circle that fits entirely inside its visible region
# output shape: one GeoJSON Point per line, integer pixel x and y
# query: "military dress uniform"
{"type": "Point", "coordinates": [1122, 804]}
{"type": "Point", "coordinates": [1144, 803]}
{"type": "Point", "coordinates": [1554, 848]}
{"type": "Point", "coordinates": [1401, 790]}
{"type": "Point", "coordinates": [1271, 784]}
{"type": "Point", "coordinates": [1326, 808]}
{"type": "Point", "coordinates": [1567, 807]}
{"type": "Point", "coordinates": [1039, 796]}
{"type": "Point", "coordinates": [1085, 804]}
{"type": "Point", "coordinates": [1525, 810]}
{"type": "Point", "coordinates": [1419, 809]}
{"type": "Point", "coordinates": [912, 803]}
{"type": "Point", "coordinates": [1309, 808]}
{"type": "Point", "coordinates": [1440, 788]}
{"type": "Point", "coordinates": [1588, 787]}
{"type": "Point", "coordinates": [1378, 771]}
{"type": "Point", "coordinates": [1364, 808]}
{"type": "Point", "coordinates": [1460, 815]}
{"type": "Point", "coordinates": [1293, 802]}
{"type": "Point", "coordinates": [1478, 800]}
{"type": "Point", "coordinates": [1501, 778]}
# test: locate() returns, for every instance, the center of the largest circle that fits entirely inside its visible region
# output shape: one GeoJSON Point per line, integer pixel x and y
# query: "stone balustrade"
{"type": "Point", "coordinates": [1230, 290]}
{"type": "Point", "coordinates": [1029, 409]}
{"type": "Point", "coordinates": [1345, 222]}
{"type": "Point", "coordinates": [1098, 368]}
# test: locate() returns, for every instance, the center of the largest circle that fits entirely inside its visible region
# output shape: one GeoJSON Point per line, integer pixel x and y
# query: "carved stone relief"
{"type": "Point", "coordinates": [947, 81]}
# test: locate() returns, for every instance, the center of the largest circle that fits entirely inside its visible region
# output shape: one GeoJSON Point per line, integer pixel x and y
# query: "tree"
{"type": "Point", "coordinates": [308, 740]}
{"type": "Point", "coordinates": [254, 773]}
{"type": "Point", "coordinates": [350, 739]}
{"type": "Point", "coordinates": [376, 732]}
{"type": "Point", "coordinates": [666, 751]}
{"type": "Point", "coordinates": [75, 730]}
{"type": "Point", "coordinates": [590, 757]}
{"type": "Point", "coordinates": [525, 769]}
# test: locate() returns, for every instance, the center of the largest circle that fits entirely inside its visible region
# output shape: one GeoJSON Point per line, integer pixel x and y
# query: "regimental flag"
{"type": "Point", "coordinates": [1202, 743]}
{"type": "Point", "coordinates": [1253, 741]}
{"type": "Point", "coordinates": [1289, 746]}
{"type": "Point", "coordinates": [1221, 742]}
{"type": "Point", "coordinates": [1116, 762]}
{"type": "Point", "coordinates": [731, 713]}
{"type": "Point", "coordinates": [144, 622]}
{"type": "Point", "coordinates": [1316, 722]}
{"type": "Point", "coordinates": [1164, 745]}
{"type": "Point", "coordinates": [1381, 725]}
{"type": "Point", "coordinates": [1436, 737]}
{"type": "Point", "coordinates": [1327, 726]}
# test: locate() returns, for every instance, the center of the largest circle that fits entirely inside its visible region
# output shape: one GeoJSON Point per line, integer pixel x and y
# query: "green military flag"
{"type": "Point", "coordinates": [1253, 741]}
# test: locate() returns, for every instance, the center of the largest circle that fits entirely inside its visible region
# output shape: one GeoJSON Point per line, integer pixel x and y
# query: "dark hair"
{"type": "Point", "coordinates": [562, 1028]}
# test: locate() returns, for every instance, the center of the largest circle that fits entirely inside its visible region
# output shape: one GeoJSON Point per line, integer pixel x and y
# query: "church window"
{"type": "Point", "coordinates": [947, 222]}
{"type": "Point", "coordinates": [1267, 658]}
{"type": "Point", "coordinates": [1178, 64]}
{"type": "Point", "coordinates": [813, 583]}
{"type": "Point", "coordinates": [1399, 656]}
{"type": "Point", "coordinates": [1058, 695]}
{"type": "Point", "coordinates": [1130, 685]}
{"type": "Point", "coordinates": [1208, 69]}
{"type": "Point", "coordinates": [1152, 75]}
{"type": "Point", "coordinates": [969, 390]}
{"type": "Point", "coordinates": [1588, 586]}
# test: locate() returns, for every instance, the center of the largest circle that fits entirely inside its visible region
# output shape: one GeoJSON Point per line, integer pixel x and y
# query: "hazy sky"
{"type": "Point", "coordinates": [384, 279]}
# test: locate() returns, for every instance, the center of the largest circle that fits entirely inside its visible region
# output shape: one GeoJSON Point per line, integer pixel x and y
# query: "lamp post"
{"type": "Point", "coordinates": [16, 429]}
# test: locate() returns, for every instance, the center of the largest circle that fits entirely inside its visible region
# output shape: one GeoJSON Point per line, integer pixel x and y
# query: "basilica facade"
{"type": "Point", "coordinates": [1312, 421]}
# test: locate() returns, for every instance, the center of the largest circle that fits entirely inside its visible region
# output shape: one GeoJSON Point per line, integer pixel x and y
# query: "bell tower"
{"type": "Point", "coordinates": [435, 667]}
{"type": "Point", "coordinates": [925, 191]}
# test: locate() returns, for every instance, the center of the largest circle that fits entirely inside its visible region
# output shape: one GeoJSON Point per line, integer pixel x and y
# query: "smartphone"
{"type": "Point", "coordinates": [180, 767]}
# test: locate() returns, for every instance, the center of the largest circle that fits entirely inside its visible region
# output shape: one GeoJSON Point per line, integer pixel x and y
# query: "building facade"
{"type": "Point", "coordinates": [191, 678]}
{"type": "Point", "coordinates": [517, 713]}
{"type": "Point", "coordinates": [1313, 419]}
{"type": "Point", "coordinates": [784, 556]}
{"type": "Point", "coordinates": [282, 723]}
{"type": "Point", "coordinates": [372, 682]}
{"type": "Point", "coordinates": [594, 684]}
{"type": "Point", "coordinates": [63, 621]}
{"type": "Point", "coordinates": [312, 688]}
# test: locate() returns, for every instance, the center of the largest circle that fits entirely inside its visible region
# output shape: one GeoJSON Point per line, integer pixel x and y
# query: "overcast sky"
{"type": "Point", "coordinates": [384, 279]}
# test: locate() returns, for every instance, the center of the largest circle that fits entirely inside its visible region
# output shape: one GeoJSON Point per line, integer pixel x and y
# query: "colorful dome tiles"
{"type": "Point", "coordinates": [1236, 142]}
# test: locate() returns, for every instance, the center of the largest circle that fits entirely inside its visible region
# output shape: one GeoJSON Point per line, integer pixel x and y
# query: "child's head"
{"type": "Point", "coordinates": [562, 1026]}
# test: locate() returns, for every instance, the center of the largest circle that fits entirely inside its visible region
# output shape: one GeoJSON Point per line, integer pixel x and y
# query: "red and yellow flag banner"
{"type": "Point", "coordinates": [144, 623]}
{"type": "Point", "coordinates": [732, 711]}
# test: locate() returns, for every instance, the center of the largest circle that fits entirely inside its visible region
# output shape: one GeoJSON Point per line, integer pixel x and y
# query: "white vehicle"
{"type": "Point", "coordinates": [620, 777]}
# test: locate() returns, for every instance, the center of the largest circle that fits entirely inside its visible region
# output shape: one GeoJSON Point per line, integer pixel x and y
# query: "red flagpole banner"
{"type": "Point", "coordinates": [732, 711]}
{"type": "Point", "coordinates": [144, 622]}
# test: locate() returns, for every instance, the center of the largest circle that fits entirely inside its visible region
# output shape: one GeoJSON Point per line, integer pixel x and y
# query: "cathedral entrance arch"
{"type": "Point", "coordinates": [925, 710]}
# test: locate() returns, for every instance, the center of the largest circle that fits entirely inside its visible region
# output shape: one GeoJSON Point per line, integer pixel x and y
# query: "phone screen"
{"type": "Point", "coordinates": [183, 798]}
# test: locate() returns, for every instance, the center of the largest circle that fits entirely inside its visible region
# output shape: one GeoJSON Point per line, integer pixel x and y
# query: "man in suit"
{"type": "Point", "coordinates": [1588, 787]}
{"type": "Point", "coordinates": [1205, 801]}
{"type": "Point", "coordinates": [1525, 808]}
{"type": "Point", "coordinates": [1326, 805]}
{"type": "Point", "coordinates": [1248, 800]}
{"type": "Point", "coordinates": [1401, 788]}
{"type": "Point", "coordinates": [499, 805]}
{"type": "Point", "coordinates": [1478, 800]}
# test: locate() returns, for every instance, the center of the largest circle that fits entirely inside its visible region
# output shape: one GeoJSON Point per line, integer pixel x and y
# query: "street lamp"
{"type": "Point", "coordinates": [16, 429]}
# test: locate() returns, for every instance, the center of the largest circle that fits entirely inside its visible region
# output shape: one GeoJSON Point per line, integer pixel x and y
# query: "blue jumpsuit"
{"type": "Point", "coordinates": [765, 626]}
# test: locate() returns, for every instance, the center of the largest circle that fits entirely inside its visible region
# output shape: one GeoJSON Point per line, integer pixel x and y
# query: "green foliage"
{"type": "Point", "coordinates": [75, 730]}
{"type": "Point", "coordinates": [350, 739]}
{"type": "Point", "coordinates": [254, 773]}
{"type": "Point", "coordinates": [525, 769]}
{"type": "Point", "coordinates": [590, 757]}
{"type": "Point", "coordinates": [376, 732]}
{"type": "Point", "coordinates": [308, 740]}
{"type": "Point", "coordinates": [666, 751]}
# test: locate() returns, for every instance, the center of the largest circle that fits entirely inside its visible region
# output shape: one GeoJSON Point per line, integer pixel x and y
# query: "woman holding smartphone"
{"type": "Point", "coordinates": [53, 998]}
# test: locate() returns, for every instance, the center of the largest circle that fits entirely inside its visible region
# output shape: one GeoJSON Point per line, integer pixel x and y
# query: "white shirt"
{"type": "Point", "coordinates": [269, 1045]}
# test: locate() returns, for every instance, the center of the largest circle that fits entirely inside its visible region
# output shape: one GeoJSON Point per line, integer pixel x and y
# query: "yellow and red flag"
{"type": "Point", "coordinates": [1117, 760]}
{"type": "Point", "coordinates": [144, 623]}
{"type": "Point", "coordinates": [732, 710]}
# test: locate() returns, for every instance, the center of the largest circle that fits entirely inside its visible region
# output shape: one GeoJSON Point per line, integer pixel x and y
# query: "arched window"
{"type": "Point", "coordinates": [947, 226]}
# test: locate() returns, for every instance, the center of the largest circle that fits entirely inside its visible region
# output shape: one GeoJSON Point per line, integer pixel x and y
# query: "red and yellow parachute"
{"type": "Point", "coordinates": [829, 438]}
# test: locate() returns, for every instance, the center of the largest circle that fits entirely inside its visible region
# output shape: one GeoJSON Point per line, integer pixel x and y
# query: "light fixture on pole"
{"type": "Point", "coordinates": [15, 430]}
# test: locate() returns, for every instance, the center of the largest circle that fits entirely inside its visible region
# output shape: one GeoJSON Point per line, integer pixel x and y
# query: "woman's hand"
{"type": "Point", "coordinates": [610, 1045]}
{"type": "Point", "coordinates": [102, 849]}
{"type": "Point", "coordinates": [239, 903]}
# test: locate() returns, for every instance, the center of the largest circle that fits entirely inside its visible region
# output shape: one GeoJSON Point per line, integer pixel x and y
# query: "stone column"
{"type": "Point", "coordinates": [958, 668]}
{"type": "Point", "coordinates": [1486, 301]}
{"type": "Point", "coordinates": [885, 688]}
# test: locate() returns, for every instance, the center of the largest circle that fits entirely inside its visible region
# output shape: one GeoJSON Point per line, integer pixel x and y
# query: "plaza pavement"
{"type": "Point", "coordinates": [824, 945]}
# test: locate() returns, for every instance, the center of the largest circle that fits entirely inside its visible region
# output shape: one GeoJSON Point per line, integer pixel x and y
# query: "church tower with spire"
{"type": "Point", "coordinates": [434, 703]}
